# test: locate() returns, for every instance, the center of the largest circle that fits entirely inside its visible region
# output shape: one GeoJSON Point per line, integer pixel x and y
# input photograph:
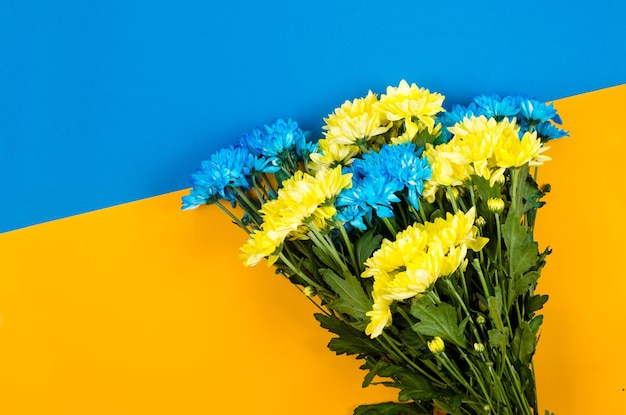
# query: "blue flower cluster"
{"type": "Point", "coordinates": [378, 178]}
{"type": "Point", "coordinates": [282, 140]}
{"type": "Point", "coordinates": [233, 167]}
{"type": "Point", "coordinates": [531, 115]}
{"type": "Point", "coordinates": [227, 169]}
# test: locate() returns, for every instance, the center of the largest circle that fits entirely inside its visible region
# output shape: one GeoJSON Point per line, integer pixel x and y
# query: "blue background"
{"type": "Point", "coordinates": [106, 103]}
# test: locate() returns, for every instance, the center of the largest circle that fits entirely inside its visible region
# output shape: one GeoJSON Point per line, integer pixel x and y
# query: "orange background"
{"type": "Point", "coordinates": [143, 308]}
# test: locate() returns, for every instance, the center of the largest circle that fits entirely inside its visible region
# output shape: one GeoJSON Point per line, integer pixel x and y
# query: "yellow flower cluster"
{"type": "Point", "coordinates": [416, 106]}
{"type": "Point", "coordinates": [420, 255]}
{"type": "Point", "coordinates": [358, 124]}
{"type": "Point", "coordinates": [482, 147]}
{"type": "Point", "coordinates": [352, 125]}
{"type": "Point", "coordinates": [304, 201]}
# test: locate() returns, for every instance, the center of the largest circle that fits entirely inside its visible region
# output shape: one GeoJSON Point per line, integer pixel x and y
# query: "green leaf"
{"type": "Point", "coordinates": [498, 338]}
{"type": "Point", "coordinates": [422, 138]}
{"type": "Point", "coordinates": [352, 298]}
{"type": "Point", "coordinates": [494, 305]}
{"type": "Point", "coordinates": [524, 342]}
{"type": "Point", "coordinates": [388, 408]}
{"type": "Point", "coordinates": [535, 323]}
{"type": "Point", "coordinates": [310, 266]}
{"type": "Point", "coordinates": [533, 195]}
{"type": "Point", "coordinates": [525, 282]}
{"type": "Point", "coordinates": [350, 341]}
{"type": "Point", "coordinates": [485, 190]}
{"type": "Point", "coordinates": [536, 303]}
{"type": "Point", "coordinates": [412, 342]}
{"type": "Point", "coordinates": [413, 385]}
{"type": "Point", "coordinates": [523, 258]}
{"type": "Point", "coordinates": [437, 213]}
{"type": "Point", "coordinates": [325, 258]}
{"type": "Point", "coordinates": [438, 320]}
{"type": "Point", "coordinates": [449, 404]}
{"type": "Point", "coordinates": [366, 245]}
{"type": "Point", "coordinates": [522, 252]}
{"type": "Point", "coordinates": [373, 371]}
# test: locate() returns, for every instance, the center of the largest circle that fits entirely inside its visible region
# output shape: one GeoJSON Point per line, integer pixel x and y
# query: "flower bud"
{"type": "Point", "coordinates": [309, 291]}
{"type": "Point", "coordinates": [479, 347]}
{"type": "Point", "coordinates": [495, 205]}
{"type": "Point", "coordinates": [481, 320]}
{"type": "Point", "coordinates": [436, 345]}
{"type": "Point", "coordinates": [487, 409]}
{"type": "Point", "coordinates": [480, 222]}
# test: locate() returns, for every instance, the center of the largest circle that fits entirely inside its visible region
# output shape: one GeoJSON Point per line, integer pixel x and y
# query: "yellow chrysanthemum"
{"type": "Point", "coordinates": [410, 131]}
{"type": "Point", "coordinates": [448, 164]}
{"type": "Point", "coordinates": [411, 102]}
{"type": "Point", "coordinates": [329, 184]}
{"type": "Point", "coordinates": [513, 152]}
{"type": "Point", "coordinates": [407, 284]}
{"type": "Point", "coordinates": [421, 254]}
{"type": "Point", "coordinates": [480, 146]}
{"type": "Point", "coordinates": [476, 137]}
{"type": "Point", "coordinates": [455, 230]}
{"type": "Point", "coordinates": [355, 122]}
{"type": "Point", "coordinates": [303, 201]}
{"type": "Point", "coordinates": [257, 247]}
{"type": "Point", "coordinates": [380, 315]}
{"type": "Point", "coordinates": [332, 154]}
{"type": "Point", "coordinates": [393, 255]}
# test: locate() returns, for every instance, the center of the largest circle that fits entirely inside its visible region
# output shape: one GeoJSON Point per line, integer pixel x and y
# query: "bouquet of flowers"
{"type": "Point", "coordinates": [411, 229]}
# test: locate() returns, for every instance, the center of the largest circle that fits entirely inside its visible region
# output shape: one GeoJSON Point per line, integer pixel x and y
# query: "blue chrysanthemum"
{"type": "Point", "coordinates": [548, 131]}
{"type": "Point", "coordinates": [456, 115]}
{"type": "Point", "coordinates": [406, 166]}
{"type": "Point", "coordinates": [377, 180]}
{"type": "Point", "coordinates": [493, 106]}
{"type": "Point", "coordinates": [367, 194]}
{"type": "Point", "coordinates": [281, 139]}
{"type": "Point", "coordinates": [227, 169]}
{"type": "Point", "coordinates": [199, 195]}
{"type": "Point", "coordinates": [401, 163]}
{"type": "Point", "coordinates": [534, 112]}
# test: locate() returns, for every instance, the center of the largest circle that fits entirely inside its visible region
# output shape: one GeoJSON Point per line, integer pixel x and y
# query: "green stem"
{"type": "Point", "coordinates": [270, 187]}
{"type": "Point", "coordinates": [299, 273]}
{"type": "Point", "coordinates": [253, 210]}
{"type": "Point", "coordinates": [421, 210]}
{"type": "Point", "coordinates": [466, 296]}
{"type": "Point", "coordinates": [327, 246]}
{"type": "Point", "coordinates": [233, 217]}
{"type": "Point", "coordinates": [518, 388]}
{"type": "Point", "coordinates": [499, 242]}
{"type": "Point", "coordinates": [502, 394]}
{"type": "Point", "coordinates": [264, 197]}
{"type": "Point", "coordinates": [322, 309]}
{"type": "Point", "coordinates": [456, 373]}
{"type": "Point", "coordinates": [481, 276]}
{"type": "Point", "coordinates": [465, 309]}
{"type": "Point", "coordinates": [390, 226]}
{"type": "Point", "coordinates": [398, 354]}
{"type": "Point", "coordinates": [348, 243]}
{"type": "Point", "coordinates": [452, 199]}
{"type": "Point", "coordinates": [478, 378]}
